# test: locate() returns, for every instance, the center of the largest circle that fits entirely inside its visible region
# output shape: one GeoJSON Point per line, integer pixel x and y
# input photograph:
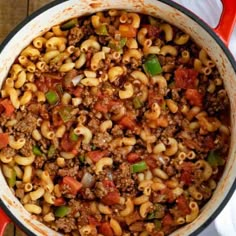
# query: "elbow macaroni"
{"type": "Point", "coordinates": [116, 116]}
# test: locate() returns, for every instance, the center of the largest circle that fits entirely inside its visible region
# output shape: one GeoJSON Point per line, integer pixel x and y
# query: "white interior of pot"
{"type": "Point", "coordinates": [74, 8]}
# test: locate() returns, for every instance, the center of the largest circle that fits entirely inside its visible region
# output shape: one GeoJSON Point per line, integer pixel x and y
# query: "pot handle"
{"type": "Point", "coordinates": [227, 20]}
{"type": "Point", "coordinates": [4, 221]}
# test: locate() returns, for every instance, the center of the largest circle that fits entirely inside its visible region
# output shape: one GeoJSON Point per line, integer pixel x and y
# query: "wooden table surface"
{"type": "Point", "coordinates": [12, 12]}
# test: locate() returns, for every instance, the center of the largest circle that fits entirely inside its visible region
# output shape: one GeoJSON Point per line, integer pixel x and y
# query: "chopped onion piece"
{"type": "Point", "coordinates": [88, 180]}
{"type": "Point", "coordinates": [77, 79]}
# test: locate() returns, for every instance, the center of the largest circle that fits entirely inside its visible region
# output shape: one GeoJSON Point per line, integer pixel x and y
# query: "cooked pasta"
{"type": "Point", "coordinates": [113, 124]}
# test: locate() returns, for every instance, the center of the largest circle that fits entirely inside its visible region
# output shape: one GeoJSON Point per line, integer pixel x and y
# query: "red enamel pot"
{"type": "Point", "coordinates": [214, 41]}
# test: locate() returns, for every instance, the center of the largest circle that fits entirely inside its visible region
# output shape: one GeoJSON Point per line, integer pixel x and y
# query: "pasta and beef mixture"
{"type": "Point", "coordinates": [115, 123]}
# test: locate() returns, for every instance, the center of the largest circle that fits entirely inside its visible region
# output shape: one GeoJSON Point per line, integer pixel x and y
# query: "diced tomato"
{"type": "Point", "coordinates": [114, 103]}
{"type": "Point", "coordinates": [105, 229]}
{"type": "Point", "coordinates": [183, 205]}
{"type": "Point", "coordinates": [52, 80]}
{"type": "Point", "coordinates": [47, 81]}
{"type": "Point", "coordinates": [77, 91]}
{"type": "Point", "coordinates": [127, 122]}
{"type": "Point", "coordinates": [133, 157]}
{"type": "Point", "coordinates": [154, 97]}
{"type": "Point", "coordinates": [104, 107]}
{"type": "Point", "coordinates": [4, 140]}
{"type": "Point", "coordinates": [151, 162]}
{"type": "Point", "coordinates": [185, 78]}
{"type": "Point", "coordinates": [95, 156]}
{"type": "Point", "coordinates": [186, 175]}
{"type": "Point", "coordinates": [66, 144]}
{"type": "Point", "coordinates": [194, 97]}
{"type": "Point", "coordinates": [152, 31]}
{"type": "Point", "coordinates": [167, 220]}
{"type": "Point", "coordinates": [74, 185]}
{"type": "Point", "coordinates": [9, 108]}
{"type": "Point", "coordinates": [59, 201]}
{"type": "Point", "coordinates": [93, 221]}
{"type": "Point", "coordinates": [209, 142]}
{"type": "Point", "coordinates": [41, 85]}
{"type": "Point", "coordinates": [108, 184]}
{"type": "Point", "coordinates": [127, 30]}
{"type": "Point", "coordinates": [56, 118]}
{"type": "Point", "coordinates": [169, 195]}
{"type": "Point", "coordinates": [111, 198]}
{"type": "Point", "coordinates": [101, 107]}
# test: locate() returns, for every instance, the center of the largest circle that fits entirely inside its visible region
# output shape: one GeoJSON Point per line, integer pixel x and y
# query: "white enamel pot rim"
{"type": "Point", "coordinates": [58, 11]}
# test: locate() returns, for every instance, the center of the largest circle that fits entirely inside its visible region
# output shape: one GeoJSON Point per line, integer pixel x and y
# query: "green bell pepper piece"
{"type": "Point", "coordinates": [214, 159]}
{"type": "Point", "coordinates": [139, 167]}
{"type": "Point", "coordinates": [152, 66]}
{"type": "Point", "coordinates": [65, 113]}
{"type": "Point", "coordinates": [51, 151]}
{"type": "Point", "coordinates": [52, 97]}
{"type": "Point", "coordinates": [37, 151]}
{"type": "Point", "coordinates": [62, 211]}
{"type": "Point", "coordinates": [157, 224]}
{"type": "Point", "coordinates": [152, 21]}
{"type": "Point", "coordinates": [69, 24]}
{"type": "Point", "coordinates": [118, 45]}
{"type": "Point", "coordinates": [137, 103]}
{"type": "Point", "coordinates": [73, 136]}
{"type": "Point", "coordinates": [102, 30]}
{"type": "Point", "coordinates": [12, 179]}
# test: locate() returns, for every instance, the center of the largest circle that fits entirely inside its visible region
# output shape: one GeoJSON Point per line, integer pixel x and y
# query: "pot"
{"type": "Point", "coordinates": [214, 41]}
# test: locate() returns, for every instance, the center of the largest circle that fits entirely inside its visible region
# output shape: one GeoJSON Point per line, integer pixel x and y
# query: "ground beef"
{"type": "Point", "coordinates": [103, 39]}
{"type": "Point", "coordinates": [3, 119]}
{"type": "Point", "coordinates": [75, 205]}
{"type": "Point", "coordinates": [27, 124]}
{"type": "Point", "coordinates": [100, 191]}
{"type": "Point", "coordinates": [101, 140]}
{"type": "Point", "coordinates": [87, 194]}
{"type": "Point", "coordinates": [68, 171]}
{"type": "Point", "coordinates": [39, 161]}
{"type": "Point", "coordinates": [67, 224]}
{"type": "Point", "coordinates": [52, 168]}
{"type": "Point", "coordinates": [87, 101]}
{"type": "Point", "coordinates": [87, 28]}
{"type": "Point", "coordinates": [123, 179]}
{"type": "Point", "coordinates": [75, 35]}
{"type": "Point", "coordinates": [117, 131]}
{"type": "Point", "coordinates": [170, 170]}
{"type": "Point", "coordinates": [8, 152]}
{"type": "Point", "coordinates": [27, 149]}
{"type": "Point", "coordinates": [216, 102]}
{"type": "Point", "coordinates": [94, 125]}
{"type": "Point", "coordinates": [120, 153]}
{"type": "Point", "coordinates": [83, 211]}
{"type": "Point", "coordinates": [34, 108]}
{"type": "Point", "coordinates": [175, 95]}
{"type": "Point", "coordinates": [169, 131]}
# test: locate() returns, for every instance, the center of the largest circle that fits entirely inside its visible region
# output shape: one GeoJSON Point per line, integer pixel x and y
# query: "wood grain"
{"type": "Point", "coordinates": [12, 12]}
{"type": "Point", "coordinates": [34, 5]}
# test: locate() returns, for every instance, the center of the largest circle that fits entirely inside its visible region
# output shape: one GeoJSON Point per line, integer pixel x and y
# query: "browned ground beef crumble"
{"type": "Point", "coordinates": [205, 137]}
